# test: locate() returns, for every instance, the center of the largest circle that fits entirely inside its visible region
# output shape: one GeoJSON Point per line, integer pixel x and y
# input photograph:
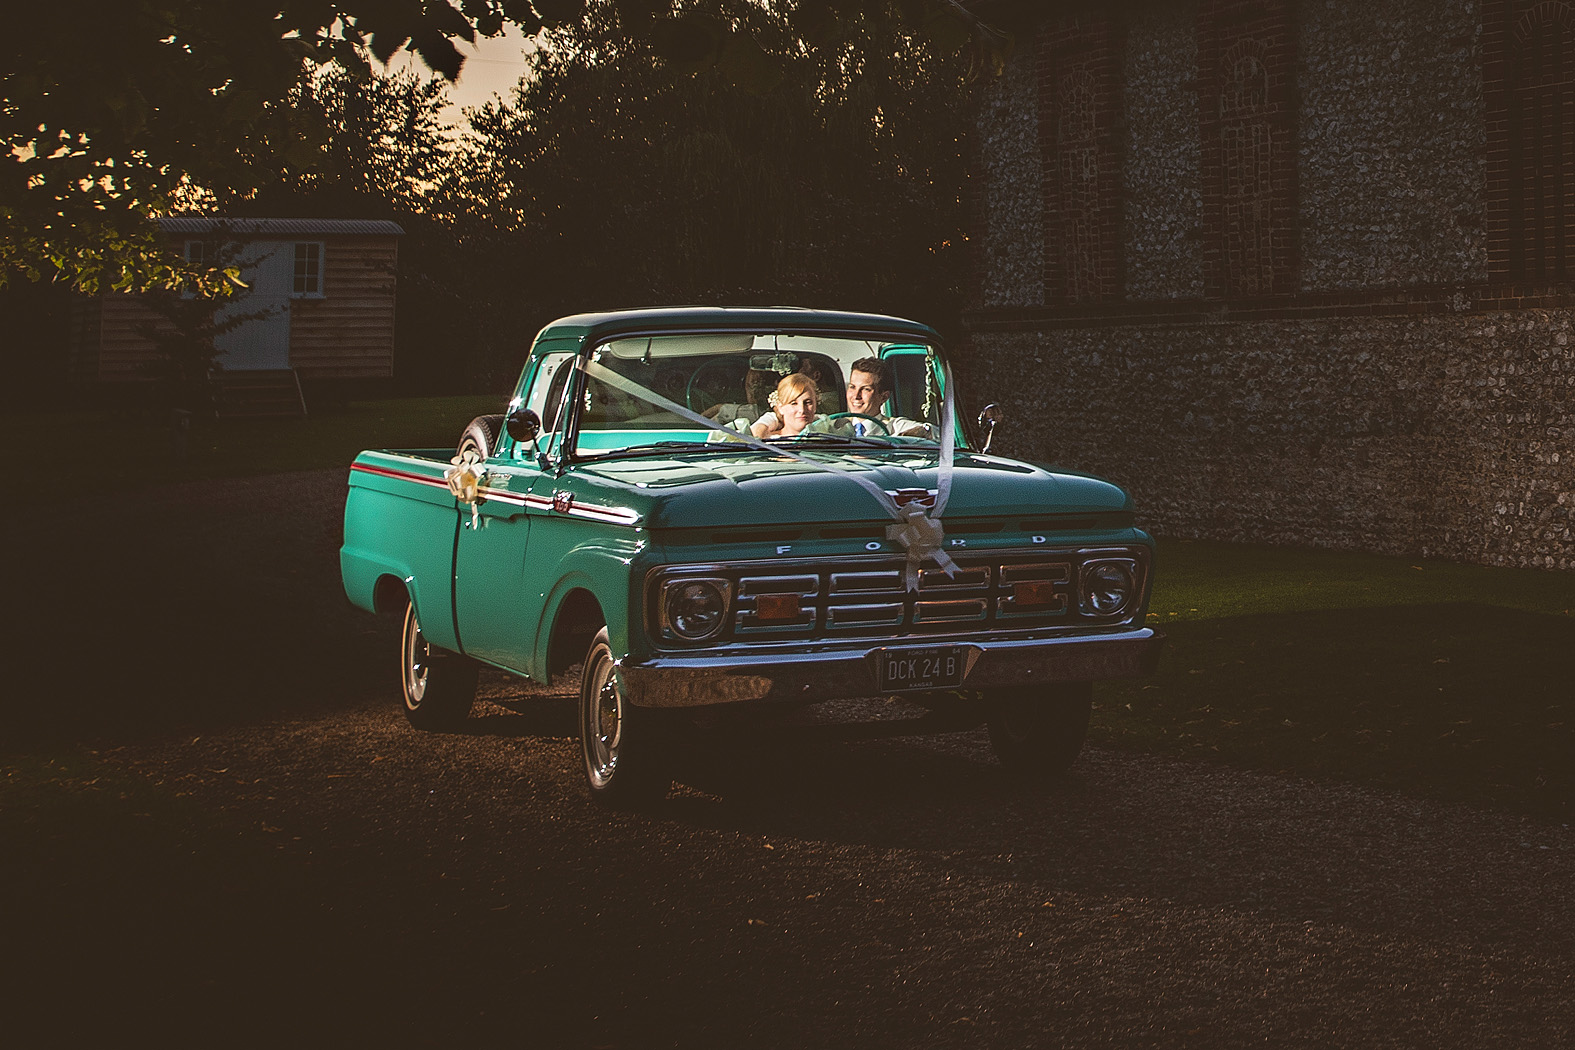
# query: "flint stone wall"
{"type": "Point", "coordinates": [1446, 437]}
{"type": "Point", "coordinates": [1392, 144]}
{"type": "Point", "coordinates": [1434, 421]}
{"type": "Point", "coordinates": [1010, 201]}
{"type": "Point", "coordinates": [1164, 215]}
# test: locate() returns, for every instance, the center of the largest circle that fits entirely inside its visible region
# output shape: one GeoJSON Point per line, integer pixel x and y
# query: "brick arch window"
{"type": "Point", "coordinates": [1541, 143]}
{"type": "Point", "coordinates": [1079, 117]}
{"type": "Point", "coordinates": [1246, 161]}
{"type": "Point", "coordinates": [1246, 54]}
{"type": "Point", "coordinates": [1077, 152]}
{"type": "Point", "coordinates": [1528, 89]}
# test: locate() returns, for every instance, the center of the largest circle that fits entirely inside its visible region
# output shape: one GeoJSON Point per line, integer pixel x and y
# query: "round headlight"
{"type": "Point", "coordinates": [1108, 587]}
{"type": "Point", "coordinates": [695, 608]}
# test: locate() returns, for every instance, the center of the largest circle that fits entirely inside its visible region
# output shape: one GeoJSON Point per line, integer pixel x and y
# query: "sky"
{"type": "Point", "coordinates": [492, 67]}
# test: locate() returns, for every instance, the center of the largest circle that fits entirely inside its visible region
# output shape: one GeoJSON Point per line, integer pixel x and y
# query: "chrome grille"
{"type": "Point", "coordinates": [1012, 591]}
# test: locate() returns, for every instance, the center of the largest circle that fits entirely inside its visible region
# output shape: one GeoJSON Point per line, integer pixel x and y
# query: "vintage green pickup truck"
{"type": "Point", "coordinates": [743, 510]}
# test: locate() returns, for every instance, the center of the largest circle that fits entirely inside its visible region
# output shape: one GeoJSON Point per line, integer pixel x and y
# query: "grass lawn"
{"type": "Point", "coordinates": [145, 453]}
{"type": "Point", "coordinates": [1452, 681]}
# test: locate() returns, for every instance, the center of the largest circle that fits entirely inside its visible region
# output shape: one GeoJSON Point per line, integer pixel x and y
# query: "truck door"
{"type": "Point", "coordinates": [497, 602]}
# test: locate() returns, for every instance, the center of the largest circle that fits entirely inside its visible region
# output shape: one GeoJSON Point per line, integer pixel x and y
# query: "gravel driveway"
{"type": "Point", "coordinates": [321, 873]}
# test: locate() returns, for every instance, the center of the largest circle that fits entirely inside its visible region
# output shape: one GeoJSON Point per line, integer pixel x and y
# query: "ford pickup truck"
{"type": "Point", "coordinates": [717, 510]}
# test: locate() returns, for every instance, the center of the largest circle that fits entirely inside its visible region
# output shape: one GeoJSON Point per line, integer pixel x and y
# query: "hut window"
{"type": "Point", "coordinates": [309, 269]}
{"type": "Point", "coordinates": [196, 253]}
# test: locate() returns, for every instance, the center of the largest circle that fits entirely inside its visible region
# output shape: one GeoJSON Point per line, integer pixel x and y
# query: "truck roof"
{"type": "Point", "coordinates": [596, 326]}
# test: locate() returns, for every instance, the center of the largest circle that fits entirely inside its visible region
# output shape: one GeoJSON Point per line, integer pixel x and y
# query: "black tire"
{"type": "Point", "coordinates": [483, 435]}
{"type": "Point", "coordinates": [439, 686]}
{"type": "Point", "coordinates": [625, 759]}
{"type": "Point", "coordinates": [1037, 736]}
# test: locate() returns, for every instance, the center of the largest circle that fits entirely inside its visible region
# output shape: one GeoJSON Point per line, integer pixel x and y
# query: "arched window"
{"type": "Point", "coordinates": [1540, 96]}
{"type": "Point", "coordinates": [1077, 150]}
{"type": "Point", "coordinates": [1246, 108]}
{"type": "Point", "coordinates": [1246, 155]}
{"type": "Point", "coordinates": [1080, 100]}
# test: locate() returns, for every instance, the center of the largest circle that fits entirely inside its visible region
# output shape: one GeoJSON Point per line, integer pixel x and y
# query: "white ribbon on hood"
{"type": "Point", "coordinates": [917, 529]}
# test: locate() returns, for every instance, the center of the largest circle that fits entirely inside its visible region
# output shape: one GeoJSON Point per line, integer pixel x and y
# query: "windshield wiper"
{"type": "Point", "coordinates": [819, 437]}
{"type": "Point", "coordinates": [667, 448]}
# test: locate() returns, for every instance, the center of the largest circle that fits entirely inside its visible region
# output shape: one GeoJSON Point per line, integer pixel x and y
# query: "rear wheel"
{"type": "Point", "coordinates": [439, 686]}
{"type": "Point", "coordinates": [1038, 731]}
{"type": "Point", "coordinates": [623, 750]}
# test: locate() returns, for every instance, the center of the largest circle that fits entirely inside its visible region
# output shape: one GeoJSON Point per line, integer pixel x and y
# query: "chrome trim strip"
{"type": "Point", "coordinates": [398, 475]}
{"type": "Point", "coordinates": [842, 669]}
{"type": "Point", "coordinates": [609, 515]}
{"type": "Point", "coordinates": [499, 496]}
{"type": "Point", "coordinates": [784, 566]}
{"type": "Point", "coordinates": [1048, 571]}
{"type": "Point", "coordinates": [794, 583]}
{"type": "Point", "coordinates": [958, 609]}
{"type": "Point", "coordinates": [845, 616]}
{"type": "Point", "coordinates": [888, 581]}
{"type": "Point", "coordinates": [531, 501]}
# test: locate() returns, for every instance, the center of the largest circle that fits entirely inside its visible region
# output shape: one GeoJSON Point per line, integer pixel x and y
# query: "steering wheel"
{"type": "Point", "coordinates": [693, 392]}
{"type": "Point", "coordinates": [830, 417]}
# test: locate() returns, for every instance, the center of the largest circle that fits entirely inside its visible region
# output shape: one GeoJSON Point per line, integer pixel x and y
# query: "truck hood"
{"type": "Point", "coordinates": [741, 490]}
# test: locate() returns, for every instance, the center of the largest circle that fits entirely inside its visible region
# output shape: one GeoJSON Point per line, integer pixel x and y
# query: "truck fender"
{"type": "Point", "coordinates": [571, 607]}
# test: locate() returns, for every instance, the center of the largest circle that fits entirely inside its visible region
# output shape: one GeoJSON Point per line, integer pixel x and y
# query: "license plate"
{"type": "Point", "coordinates": [940, 667]}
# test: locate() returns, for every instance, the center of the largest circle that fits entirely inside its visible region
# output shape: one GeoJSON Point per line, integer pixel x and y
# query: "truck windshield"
{"type": "Point", "coordinates": [656, 392]}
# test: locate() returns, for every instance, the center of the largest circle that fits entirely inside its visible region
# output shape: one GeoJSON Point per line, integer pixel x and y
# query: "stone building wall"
{"type": "Point", "coordinates": [1392, 144]}
{"type": "Point", "coordinates": [1164, 232]}
{"type": "Point", "coordinates": [1450, 436]}
{"type": "Point", "coordinates": [1396, 399]}
{"type": "Point", "coordinates": [1009, 196]}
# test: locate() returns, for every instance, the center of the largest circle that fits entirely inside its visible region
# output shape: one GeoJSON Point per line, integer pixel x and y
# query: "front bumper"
{"type": "Point", "coordinates": [813, 672]}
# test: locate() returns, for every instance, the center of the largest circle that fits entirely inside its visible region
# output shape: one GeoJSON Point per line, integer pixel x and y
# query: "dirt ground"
{"type": "Point", "coordinates": [244, 843]}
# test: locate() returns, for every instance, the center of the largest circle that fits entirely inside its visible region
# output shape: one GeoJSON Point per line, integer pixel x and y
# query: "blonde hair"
{"type": "Point", "coordinates": [793, 386]}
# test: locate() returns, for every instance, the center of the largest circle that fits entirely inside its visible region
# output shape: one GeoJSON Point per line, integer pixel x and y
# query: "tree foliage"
{"type": "Point", "coordinates": [385, 141]}
{"type": "Point", "coordinates": [606, 181]}
{"type": "Point", "coordinates": [116, 110]}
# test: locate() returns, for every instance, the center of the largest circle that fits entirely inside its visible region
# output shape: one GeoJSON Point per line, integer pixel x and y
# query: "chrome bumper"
{"type": "Point", "coordinates": [815, 672]}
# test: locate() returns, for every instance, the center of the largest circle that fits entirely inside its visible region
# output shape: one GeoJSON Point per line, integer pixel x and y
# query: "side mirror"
{"type": "Point", "coordinates": [988, 418]}
{"type": "Point", "coordinates": [523, 424]}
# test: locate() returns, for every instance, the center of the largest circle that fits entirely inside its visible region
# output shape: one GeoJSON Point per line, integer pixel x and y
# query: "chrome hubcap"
{"type": "Point", "coordinates": [603, 715]}
{"type": "Point", "coordinates": [417, 654]}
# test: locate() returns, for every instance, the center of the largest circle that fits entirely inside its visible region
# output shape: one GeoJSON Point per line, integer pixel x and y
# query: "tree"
{"type": "Point", "coordinates": [385, 140]}
{"type": "Point", "coordinates": [840, 184]}
{"type": "Point", "coordinates": [116, 110]}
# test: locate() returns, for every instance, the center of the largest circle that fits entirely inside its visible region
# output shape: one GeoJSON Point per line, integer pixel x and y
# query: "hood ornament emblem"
{"type": "Point", "coordinates": [903, 497]}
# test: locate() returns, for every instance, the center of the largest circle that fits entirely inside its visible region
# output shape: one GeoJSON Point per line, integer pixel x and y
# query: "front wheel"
{"type": "Point", "coordinates": [439, 686]}
{"type": "Point", "coordinates": [1037, 731]}
{"type": "Point", "coordinates": [625, 765]}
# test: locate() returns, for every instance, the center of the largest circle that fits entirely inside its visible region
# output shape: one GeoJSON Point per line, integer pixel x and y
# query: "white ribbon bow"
{"type": "Point", "coordinates": [464, 481]}
{"type": "Point", "coordinates": [921, 535]}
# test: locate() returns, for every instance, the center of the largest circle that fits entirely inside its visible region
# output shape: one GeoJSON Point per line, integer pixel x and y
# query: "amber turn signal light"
{"type": "Point", "coordinates": [776, 607]}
